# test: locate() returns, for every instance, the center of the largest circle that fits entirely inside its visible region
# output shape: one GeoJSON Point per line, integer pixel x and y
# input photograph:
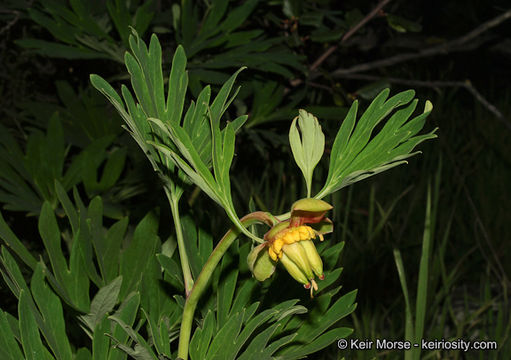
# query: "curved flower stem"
{"type": "Point", "coordinates": [283, 217]}
{"type": "Point", "coordinates": [183, 256]}
{"type": "Point", "coordinates": [205, 275]}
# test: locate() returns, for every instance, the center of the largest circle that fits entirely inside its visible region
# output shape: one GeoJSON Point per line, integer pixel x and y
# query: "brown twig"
{"type": "Point", "coordinates": [349, 34]}
{"type": "Point", "coordinates": [365, 20]}
{"type": "Point", "coordinates": [331, 49]}
{"type": "Point", "coordinates": [450, 46]}
{"type": "Point", "coordinates": [438, 84]}
{"type": "Point", "coordinates": [11, 23]}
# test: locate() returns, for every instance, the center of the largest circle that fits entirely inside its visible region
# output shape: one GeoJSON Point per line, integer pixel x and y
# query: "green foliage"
{"type": "Point", "coordinates": [128, 269]}
{"type": "Point", "coordinates": [124, 289]}
{"type": "Point", "coordinates": [93, 271]}
{"type": "Point", "coordinates": [83, 30]}
{"type": "Point", "coordinates": [307, 145]}
{"type": "Point", "coordinates": [121, 272]}
{"type": "Point", "coordinates": [28, 178]}
{"type": "Point", "coordinates": [356, 156]}
{"type": "Point", "coordinates": [83, 115]}
{"type": "Point", "coordinates": [172, 143]}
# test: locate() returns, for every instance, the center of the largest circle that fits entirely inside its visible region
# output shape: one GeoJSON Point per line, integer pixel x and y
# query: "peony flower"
{"type": "Point", "coordinates": [291, 243]}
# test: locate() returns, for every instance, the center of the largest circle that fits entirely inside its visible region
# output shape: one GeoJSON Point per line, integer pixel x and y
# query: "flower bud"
{"type": "Point", "coordinates": [294, 271]}
{"type": "Point", "coordinates": [299, 256]}
{"type": "Point", "coordinates": [313, 257]}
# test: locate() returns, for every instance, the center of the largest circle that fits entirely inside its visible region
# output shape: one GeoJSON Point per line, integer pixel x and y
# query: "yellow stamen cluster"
{"type": "Point", "coordinates": [289, 236]}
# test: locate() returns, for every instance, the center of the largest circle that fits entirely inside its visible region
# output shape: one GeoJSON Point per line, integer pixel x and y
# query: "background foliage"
{"type": "Point", "coordinates": [72, 182]}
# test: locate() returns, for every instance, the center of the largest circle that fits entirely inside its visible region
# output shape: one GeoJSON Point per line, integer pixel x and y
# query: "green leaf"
{"type": "Point", "coordinates": [12, 241]}
{"type": "Point", "coordinates": [55, 50]}
{"type": "Point", "coordinates": [278, 312]}
{"type": "Point", "coordinates": [202, 337]}
{"type": "Point", "coordinates": [95, 226]}
{"type": "Point", "coordinates": [78, 280]}
{"type": "Point", "coordinates": [137, 256]}
{"type": "Point", "coordinates": [356, 154]}
{"type": "Point", "coordinates": [143, 17]}
{"type": "Point", "coordinates": [121, 18]}
{"type": "Point", "coordinates": [50, 307]}
{"type": "Point", "coordinates": [243, 296]}
{"type": "Point", "coordinates": [16, 182]}
{"type": "Point", "coordinates": [213, 17]}
{"type": "Point", "coordinates": [178, 82]}
{"type": "Point", "coordinates": [157, 301]}
{"type": "Point", "coordinates": [183, 142]}
{"type": "Point", "coordinates": [307, 144]}
{"type": "Point", "coordinates": [205, 184]}
{"type": "Point", "coordinates": [341, 308]}
{"type": "Point", "coordinates": [370, 91]}
{"type": "Point", "coordinates": [112, 170]}
{"type": "Point", "coordinates": [50, 233]}
{"type": "Point", "coordinates": [106, 89]}
{"type": "Point", "coordinates": [225, 335]}
{"type": "Point", "coordinates": [237, 16]}
{"type": "Point", "coordinates": [113, 241]}
{"type": "Point", "coordinates": [127, 312]}
{"type": "Point", "coordinates": [424, 270]}
{"type": "Point", "coordinates": [172, 270]}
{"type": "Point", "coordinates": [318, 344]}
{"type": "Point", "coordinates": [159, 333]}
{"type": "Point", "coordinates": [103, 303]}
{"type": "Point", "coordinates": [11, 273]}
{"type": "Point", "coordinates": [30, 338]}
{"type": "Point", "coordinates": [83, 354]}
{"type": "Point", "coordinates": [225, 292]}
{"type": "Point", "coordinates": [196, 123]}
{"type": "Point", "coordinates": [69, 209]}
{"type": "Point", "coordinates": [198, 242]}
{"type": "Point", "coordinates": [100, 342]}
{"type": "Point", "coordinates": [83, 240]}
{"type": "Point", "coordinates": [9, 348]}
{"type": "Point", "coordinates": [257, 349]}
{"type": "Point", "coordinates": [221, 103]}
{"type": "Point", "coordinates": [142, 350]}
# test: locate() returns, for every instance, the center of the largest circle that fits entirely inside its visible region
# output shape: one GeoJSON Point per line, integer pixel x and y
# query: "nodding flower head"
{"type": "Point", "coordinates": [291, 243]}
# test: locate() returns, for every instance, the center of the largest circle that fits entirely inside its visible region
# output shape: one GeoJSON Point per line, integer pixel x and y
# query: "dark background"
{"type": "Point", "coordinates": [468, 165]}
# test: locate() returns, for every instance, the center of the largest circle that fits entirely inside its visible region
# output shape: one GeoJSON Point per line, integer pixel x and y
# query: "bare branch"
{"type": "Point", "coordinates": [442, 49]}
{"type": "Point", "coordinates": [11, 23]}
{"type": "Point", "coordinates": [365, 20]}
{"type": "Point", "coordinates": [349, 34]}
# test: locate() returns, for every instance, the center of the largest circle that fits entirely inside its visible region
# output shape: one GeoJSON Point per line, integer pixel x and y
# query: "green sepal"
{"type": "Point", "coordinates": [260, 263]}
{"type": "Point", "coordinates": [309, 211]}
{"type": "Point", "coordinates": [311, 205]}
{"type": "Point", "coordinates": [325, 226]}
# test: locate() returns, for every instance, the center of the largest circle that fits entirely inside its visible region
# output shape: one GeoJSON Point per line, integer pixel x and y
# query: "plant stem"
{"type": "Point", "coordinates": [234, 218]}
{"type": "Point", "coordinates": [183, 256]}
{"type": "Point", "coordinates": [205, 275]}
